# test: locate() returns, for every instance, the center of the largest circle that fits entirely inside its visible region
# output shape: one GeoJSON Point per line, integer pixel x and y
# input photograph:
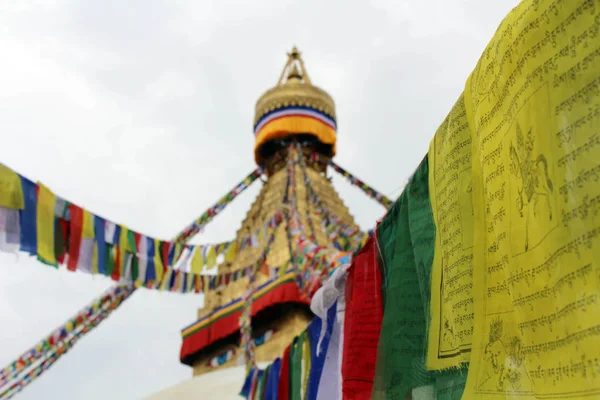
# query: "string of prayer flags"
{"type": "Point", "coordinates": [327, 259]}
{"type": "Point", "coordinates": [245, 321]}
{"type": "Point", "coordinates": [369, 191]}
{"type": "Point", "coordinates": [309, 220]}
{"type": "Point", "coordinates": [330, 258]}
{"type": "Point", "coordinates": [509, 186]}
{"type": "Point", "coordinates": [296, 379]}
{"type": "Point", "coordinates": [201, 221]}
{"type": "Point", "coordinates": [61, 333]}
{"type": "Point", "coordinates": [35, 220]}
{"type": "Point", "coordinates": [16, 376]}
{"type": "Point", "coordinates": [308, 369]}
{"type": "Point", "coordinates": [352, 234]}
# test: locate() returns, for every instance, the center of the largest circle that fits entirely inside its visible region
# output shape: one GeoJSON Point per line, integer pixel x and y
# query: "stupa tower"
{"type": "Point", "coordinates": [293, 112]}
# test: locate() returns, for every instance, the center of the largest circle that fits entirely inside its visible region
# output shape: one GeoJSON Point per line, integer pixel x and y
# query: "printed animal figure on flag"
{"type": "Point", "coordinates": [449, 333]}
{"type": "Point", "coordinates": [505, 369]}
{"type": "Point", "coordinates": [533, 179]}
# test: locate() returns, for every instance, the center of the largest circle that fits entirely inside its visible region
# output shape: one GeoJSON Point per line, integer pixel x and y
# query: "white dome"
{"type": "Point", "coordinates": [223, 384]}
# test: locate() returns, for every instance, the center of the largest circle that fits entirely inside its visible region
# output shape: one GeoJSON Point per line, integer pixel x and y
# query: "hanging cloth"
{"type": "Point", "coordinates": [364, 313]}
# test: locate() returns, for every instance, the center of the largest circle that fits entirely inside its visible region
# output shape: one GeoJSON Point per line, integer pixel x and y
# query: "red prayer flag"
{"type": "Point", "coordinates": [76, 227]}
{"type": "Point", "coordinates": [283, 390]}
{"type": "Point", "coordinates": [116, 274]}
{"type": "Point", "coordinates": [362, 323]}
{"type": "Point", "coordinates": [63, 226]}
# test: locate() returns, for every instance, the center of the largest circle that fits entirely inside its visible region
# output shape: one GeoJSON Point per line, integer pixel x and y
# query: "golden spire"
{"type": "Point", "coordinates": [293, 73]}
{"type": "Point", "coordinates": [291, 66]}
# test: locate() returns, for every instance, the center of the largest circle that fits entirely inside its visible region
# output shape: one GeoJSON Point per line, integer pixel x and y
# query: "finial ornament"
{"type": "Point", "coordinates": [294, 69]}
{"type": "Point", "coordinates": [295, 53]}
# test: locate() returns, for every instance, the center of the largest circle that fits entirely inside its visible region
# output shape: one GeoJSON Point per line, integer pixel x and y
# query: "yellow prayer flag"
{"type": "Point", "coordinates": [211, 257]}
{"type": "Point", "coordinates": [231, 251]}
{"type": "Point", "coordinates": [164, 285]}
{"type": "Point", "coordinates": [306, 363]}
{"type": "Point", "coordinates": [189, 283]}
{"type": "Point", "coordinates": [45, 225]}
{"type": "Point", "coordinates": [94, 257]}
{"type": "Point", "coordinates": [123, 248]}
{"type": "Point", "coordinates": [87, 231]}
{"type": "Point", "coordinates": [533, 105]}
{"type": "Point", "coordinates": [451, 329]}
{"type": "Point", "coordinates": [11, 192]}
{"type": "Point", "coordinates": [197, 260]}
{"type": "Point", "coordinates": [158, 265]}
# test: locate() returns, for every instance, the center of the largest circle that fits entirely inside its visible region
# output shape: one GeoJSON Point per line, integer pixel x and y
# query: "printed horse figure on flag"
{"type": "Point", "coordinates": [534, 182]}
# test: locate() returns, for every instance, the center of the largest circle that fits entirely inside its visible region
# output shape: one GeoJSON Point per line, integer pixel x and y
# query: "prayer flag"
{"type": "Point", "coordinates": [100, 246]}
{"type": "Point", "coordinates": [10, 229]}
{"type": "Point", "coordinates": [11, 192]}
{"type": "Point", "coordinates": [150, 260]}
{"type": "Point", "coordinates": [284, 376]}
{"type": "Point", "coordinates": [142, 256]}
{"type": "Point", "coordinates": [158, 265]}
{"type": "Point", "coordinates": [45, 225]}
{"type": "Point", "coordinates": [273, 380]}
{"type": "Point", "coordinates": [296, 367]}
{"type": "Point", "coordinates": [61, 236]}
{"type": "Point", "coordinates": [231, 251]}
{"type": "Point", "coordinates": [86, 251]}
{"type": "Point", "coordinates": [362, 322]}
{"type": "Point", "coordinates": [197, 260]}
{"type": "Point", "coordinates": [211, 257]}
{"type": "Point", "coordinates": [75, 229]}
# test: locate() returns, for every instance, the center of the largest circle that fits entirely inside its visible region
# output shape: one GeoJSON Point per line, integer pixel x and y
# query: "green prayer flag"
{"type": "Point", "coordinates": [131, 241]}
{"type": "Point", "coordinates": [296, 367]}
{"type": "Point", "coordinates": [406, 239]}
{"type": "Point", "coordinates": [110, 259]}
{"type": "Point", "coordinates": [135, 267]}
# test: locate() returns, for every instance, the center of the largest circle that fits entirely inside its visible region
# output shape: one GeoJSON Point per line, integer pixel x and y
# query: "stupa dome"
{"type": "Point", "coordinates": [294, 106]}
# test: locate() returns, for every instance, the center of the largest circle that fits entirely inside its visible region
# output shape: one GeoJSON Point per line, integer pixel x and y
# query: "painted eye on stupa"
{"type": "Point", "coordinates": [221, 359]}
{"type": "Point", "coordinates": [264, 338]}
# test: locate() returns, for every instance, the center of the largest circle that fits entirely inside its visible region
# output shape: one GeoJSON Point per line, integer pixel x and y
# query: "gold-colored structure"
{"type": "Point", "coordinates": [294, 110]}
{"type": "Point", "coordinates": [294, 106]}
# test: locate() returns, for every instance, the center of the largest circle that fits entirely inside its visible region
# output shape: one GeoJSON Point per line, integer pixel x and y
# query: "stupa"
{"type": "Point", "coordinates": [293, 111]}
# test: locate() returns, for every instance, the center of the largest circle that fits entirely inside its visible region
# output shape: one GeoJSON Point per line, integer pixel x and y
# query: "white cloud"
{"type": "Point", "coordinates": [170, 84]}
{"type": "Point", "coordinates": [143, 114]}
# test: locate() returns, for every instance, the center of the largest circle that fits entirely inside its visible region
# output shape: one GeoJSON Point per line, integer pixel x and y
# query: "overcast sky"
{"type": "Point", "coordinates": [141, 111]}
